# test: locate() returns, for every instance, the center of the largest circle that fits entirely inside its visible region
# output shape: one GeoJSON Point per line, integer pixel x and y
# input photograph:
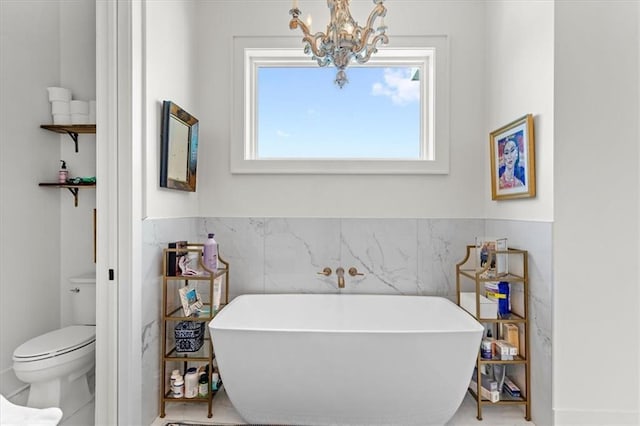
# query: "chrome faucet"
{"type": "Point", "coordinates": [340, 274]}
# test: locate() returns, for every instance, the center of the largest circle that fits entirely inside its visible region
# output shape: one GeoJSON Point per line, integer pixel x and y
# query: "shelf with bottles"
{"type": "Point", "coordinates": [207, 388]}
{"type": "Point", "coordinates": [472, 282]}
{"type": "Point", "coordinates": [192, 294]}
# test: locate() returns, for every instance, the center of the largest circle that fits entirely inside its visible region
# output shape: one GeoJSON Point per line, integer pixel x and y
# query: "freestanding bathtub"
{"type": "Point", "coordinates": [330, 359]}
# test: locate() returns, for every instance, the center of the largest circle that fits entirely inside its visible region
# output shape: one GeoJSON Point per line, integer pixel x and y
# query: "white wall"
{"type": "Point", "coordinates": [457, 195]}
{"type": "Point", "coordinates": [596, 213]}
{"type": "Point", "coordinates": [78, 73]}
{"type": "Point", "coordinates": [519, 73]}
{"type": "Point", "coordinates": [29, 215]}
{"type": "Point", "coordinates": [170, 73]}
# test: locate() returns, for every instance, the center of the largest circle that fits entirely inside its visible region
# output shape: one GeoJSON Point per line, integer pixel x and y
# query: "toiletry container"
{"type": "Point", "coordinates": [63, 174]}
{"type": "Point", "coordinates": [174, 376]}
{"type": "Point", "coordinates": [56, 364]}
{"type": "Point", "coordinates": [203, 385]}
{"type": "Point", "coordinates": [177, 388]}
{"type": "Point", "coordinates": [210, 254]}
{"type": "Point", "coordinates": [191, 383]}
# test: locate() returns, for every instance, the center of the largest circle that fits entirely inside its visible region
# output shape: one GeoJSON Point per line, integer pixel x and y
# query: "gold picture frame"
{"type": "Point", "coordinates": [513, 168]}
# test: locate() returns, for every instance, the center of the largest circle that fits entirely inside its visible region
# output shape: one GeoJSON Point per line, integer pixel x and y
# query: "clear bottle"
{"type": "Point", "coordinates": [210, 254]}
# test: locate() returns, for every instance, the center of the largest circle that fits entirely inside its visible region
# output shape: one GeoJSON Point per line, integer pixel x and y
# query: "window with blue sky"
{"type": "Point", "coordinates": [301, 113]}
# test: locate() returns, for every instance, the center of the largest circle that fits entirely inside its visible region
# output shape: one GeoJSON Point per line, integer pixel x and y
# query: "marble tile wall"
{"type": "Point", "coordinates": [536, 238]}
{"type": "Point", "coordinates": [396, 256]}
{"type": "Point", "coordinates": [155, 236]}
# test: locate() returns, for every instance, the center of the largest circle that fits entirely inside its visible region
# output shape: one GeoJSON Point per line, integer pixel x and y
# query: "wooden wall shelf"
{"type": "Point", "coordinates": [73, 188]}
{"type": "Point", "coordinates": [73, 130]}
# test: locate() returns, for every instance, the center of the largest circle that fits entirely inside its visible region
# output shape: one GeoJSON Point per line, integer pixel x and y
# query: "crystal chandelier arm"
{"type": "Point", "coordinates": [371, 48]}
{"type": "Point", "coordinates": [310, 39]}
{"type": "Point", "coordinates": [378, 11]}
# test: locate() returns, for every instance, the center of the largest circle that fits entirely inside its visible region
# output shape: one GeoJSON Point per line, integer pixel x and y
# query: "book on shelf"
{"type": "Point", "coordinates": [511, 388]}
{"type": "Point", "coordinates": [499, 262]}
{"type": "Point", "coordinates": [173, 257]}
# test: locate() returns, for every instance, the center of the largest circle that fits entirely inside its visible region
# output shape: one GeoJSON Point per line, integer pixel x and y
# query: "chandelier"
{"type": "Point", "coordinates": [344, 40]}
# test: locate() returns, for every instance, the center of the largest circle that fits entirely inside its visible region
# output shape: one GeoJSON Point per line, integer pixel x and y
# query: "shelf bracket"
{"type": "Point", "coordinates": [74, 136]}
{"type": "Point", "coordinates": [74, 191]}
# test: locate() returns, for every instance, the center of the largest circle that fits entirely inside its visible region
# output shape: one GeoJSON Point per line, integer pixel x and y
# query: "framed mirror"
{"type": "Point", "coordinates": [179, 148]}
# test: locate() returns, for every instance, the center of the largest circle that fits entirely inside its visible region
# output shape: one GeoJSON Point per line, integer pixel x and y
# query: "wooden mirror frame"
{"type": "Point", "coordinates": [179, 148]}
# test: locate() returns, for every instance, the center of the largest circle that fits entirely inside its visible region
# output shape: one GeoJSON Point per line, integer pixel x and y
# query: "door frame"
{"type": "Point", "coordinates": [119, 27]}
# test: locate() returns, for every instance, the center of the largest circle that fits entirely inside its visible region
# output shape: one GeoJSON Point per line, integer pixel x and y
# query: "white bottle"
{"type": "Point", "coordinates": [210, 254]}
{"type": "Point", "coordinates": [191, 383]}
{"type": "Point", "coordinates": [178, 387]}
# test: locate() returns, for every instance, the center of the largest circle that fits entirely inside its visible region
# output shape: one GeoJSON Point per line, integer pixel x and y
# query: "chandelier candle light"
{"type": "Point", "coordinates": [344, 39]}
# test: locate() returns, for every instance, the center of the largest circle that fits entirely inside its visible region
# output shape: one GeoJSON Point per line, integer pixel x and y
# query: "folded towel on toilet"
{"type": "Point", "coordinates": [16, 415]}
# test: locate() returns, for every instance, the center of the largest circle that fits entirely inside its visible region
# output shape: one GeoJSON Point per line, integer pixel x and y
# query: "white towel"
{"type": "Point", "coordinates": [16, 415]}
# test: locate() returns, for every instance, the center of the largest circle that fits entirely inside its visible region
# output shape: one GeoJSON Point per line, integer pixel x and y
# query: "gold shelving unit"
{"type": "Point", "coordinates": [469, 276]}
{"type": "Point", "coordinates": [172, 313]}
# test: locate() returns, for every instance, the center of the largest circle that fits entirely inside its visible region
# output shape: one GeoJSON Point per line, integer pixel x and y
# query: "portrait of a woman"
{"type": "Point", "coordinates": [511, 173]}
{"type": "Point", "coordinates": [512, 152]}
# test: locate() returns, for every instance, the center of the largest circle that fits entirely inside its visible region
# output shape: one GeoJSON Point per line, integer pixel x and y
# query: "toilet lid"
{"type": "Point", "coordinates": [56, 342]}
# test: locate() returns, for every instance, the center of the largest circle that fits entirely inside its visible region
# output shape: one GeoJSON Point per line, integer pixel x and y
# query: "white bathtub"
{"type": "Point", "coordinates": [328, 359]}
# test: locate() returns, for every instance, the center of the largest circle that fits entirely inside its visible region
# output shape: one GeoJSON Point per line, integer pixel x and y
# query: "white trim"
{"type": "Point", "coordinates": [106, 396]}
{"type": "Point", "coordinates": [430, 52]}
{"type": "Point", "coordinates": [595, 417]}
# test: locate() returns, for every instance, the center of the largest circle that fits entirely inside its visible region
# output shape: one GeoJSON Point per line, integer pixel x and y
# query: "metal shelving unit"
{"type": "Point", "coordinates": [172, 313]}
{"type": "Point", "coordinates": [470, 276]}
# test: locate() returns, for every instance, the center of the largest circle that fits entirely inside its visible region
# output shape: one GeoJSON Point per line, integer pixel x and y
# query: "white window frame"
{"type": "Point", "coordinates": [432, 61]}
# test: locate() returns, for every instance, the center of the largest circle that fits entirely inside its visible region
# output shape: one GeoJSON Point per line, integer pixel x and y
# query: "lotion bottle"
{"type": "Point", "coordinates": [63, 174]}
{"type": "Point", "coordinates": [210, 254]}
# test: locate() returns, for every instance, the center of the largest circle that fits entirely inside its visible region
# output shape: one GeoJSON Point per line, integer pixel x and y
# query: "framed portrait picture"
{"type": "Point", "coordinates": [513, 171]}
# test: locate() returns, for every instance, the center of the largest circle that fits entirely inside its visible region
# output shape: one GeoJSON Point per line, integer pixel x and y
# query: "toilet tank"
{"type": "Point", "coordinates": [82, 291]}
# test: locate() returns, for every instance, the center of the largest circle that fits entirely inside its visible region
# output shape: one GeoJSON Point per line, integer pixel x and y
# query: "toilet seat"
{"type": "Point", "coordinates": [55, 343]}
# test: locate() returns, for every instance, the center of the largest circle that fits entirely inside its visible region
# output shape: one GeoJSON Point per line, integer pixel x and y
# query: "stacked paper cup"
{"type": "Point", "coordinates": [60, 99]}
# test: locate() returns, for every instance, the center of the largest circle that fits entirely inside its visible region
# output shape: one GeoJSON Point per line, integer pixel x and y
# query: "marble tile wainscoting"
{"type": "Point", "coordinates": [396, 256]}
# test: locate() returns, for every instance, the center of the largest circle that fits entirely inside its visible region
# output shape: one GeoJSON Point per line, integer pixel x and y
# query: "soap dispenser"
{"type": "Point", "coordinates": [63, 174]}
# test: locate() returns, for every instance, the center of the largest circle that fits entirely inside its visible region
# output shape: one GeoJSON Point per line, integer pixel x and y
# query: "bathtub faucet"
{"type": "Point", "coordinates": [340, 274]}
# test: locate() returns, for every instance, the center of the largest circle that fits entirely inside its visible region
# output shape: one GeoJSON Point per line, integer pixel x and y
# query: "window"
{"type": "Point", "coordinates": [294, 119]}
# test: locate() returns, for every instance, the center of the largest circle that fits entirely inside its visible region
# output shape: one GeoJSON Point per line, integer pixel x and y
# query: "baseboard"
{"type": "Point", "coordinates": [596, 417]}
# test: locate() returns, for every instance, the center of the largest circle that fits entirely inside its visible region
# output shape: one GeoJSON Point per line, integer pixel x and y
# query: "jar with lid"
{"type": "Point", "coordinates": [177, 388]}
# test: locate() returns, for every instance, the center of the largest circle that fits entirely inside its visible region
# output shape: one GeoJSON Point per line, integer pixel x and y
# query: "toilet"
{"type": "Point", "coordinates": [56, 363]}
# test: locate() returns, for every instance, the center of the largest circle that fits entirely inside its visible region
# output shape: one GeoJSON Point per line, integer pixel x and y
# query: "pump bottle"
{"type": "Point", "coordinates": [63, 174]}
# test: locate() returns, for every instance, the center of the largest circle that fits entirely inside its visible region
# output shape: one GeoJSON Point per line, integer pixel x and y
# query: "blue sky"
{"type": "Point", "coordinates": [302, 113]}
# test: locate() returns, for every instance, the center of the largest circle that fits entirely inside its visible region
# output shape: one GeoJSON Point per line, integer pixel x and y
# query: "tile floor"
{"type": "Point", "coordinates": [225, 414]}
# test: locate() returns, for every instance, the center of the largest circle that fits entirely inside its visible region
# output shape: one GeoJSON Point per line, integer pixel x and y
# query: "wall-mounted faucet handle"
{"type": "Point", "coordinates": [326, 272]}
{"type": "Point", "coordinates": [353, 271]}
{"type": "Point", "coordinates": [340, 274]}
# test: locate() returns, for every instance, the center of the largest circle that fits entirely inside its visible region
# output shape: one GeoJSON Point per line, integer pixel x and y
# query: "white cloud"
{"type": "Point", "coordinates": [282, 134]}
{"type": "Point", "coordinates": [398, 86]}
